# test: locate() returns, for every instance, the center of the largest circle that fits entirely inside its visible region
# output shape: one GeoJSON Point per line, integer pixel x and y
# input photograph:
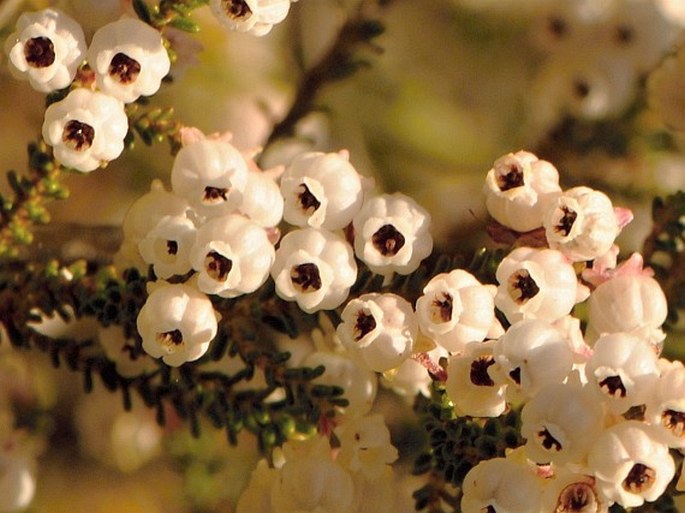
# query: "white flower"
{"type": "Point", "coordinates": [167, 246]}
{"type": "Point", "coordinates": [321, 190]}
{"type": "Point", "coordinates": [537, 284]}
{"type": "Point", "coordinates": [581, 224]}
{"type": "Point", "coordinates": [121, 351]}
{"type": "Point", "coordinates": [142, 216]}
{"type": "Point", "coordinates": [316, 268]}
{"type": "Point", "coordinates": [358, 382]}
{"type": "Point", "coordinates": [177, 323]}
{"type": "Point", "coordinates": [412, 376]}
{"type": "Point", "coordinates": [623, 371]}
{"type": "Point", "coordinates": [628, 303]}
{"type": "Point", "coordinates": [533, 355]}
{"type": "Point", "coordinates": [518, 190]}
{"type": "Point", "coordinates": [586, 86]}
{"type": "Point", "coordinates": [17, 480]}
{"type": "Point", "coordinates": [311, 481]}
{"type": "Point", "coordinates": [567, 492]}
{"type": "Point", "coordinates": [630, 465]}
{"type": "Point", "coordinates": [666, 408]}
{"type": "Point", "coordinates": [640, 32]}
{"type": "Point", "coordinates": [501, 485]}
{"type": "Point", "coordinates": [256, 17]}
{"type": "Point", "coordinates": [212, 175]}
{"type": "Point", "coordinates": [86, 129]}
{"type": "Point", "coordinates": [256, 497]}
{"type": "Point", "coordinates": [47, 49]}
{"type": "Point", "coordinates": [365, 446]}
{"type": "Point", "coordinates": [380, 329]}
{"type": "Point", "coordinates": [233, 256]}
{"type": "Point", "coordinates": [391, 234]}
{"type": "Point", "coordinates": [128, 58]}
{"type": "Point", "coordinates": [560, 423]}
{"type": "Point", "coordinates": [262, 200]}
{"type": "Point", "coordinates": [456, 308]}
{"type": "Point", "coordinates": [472, 389]}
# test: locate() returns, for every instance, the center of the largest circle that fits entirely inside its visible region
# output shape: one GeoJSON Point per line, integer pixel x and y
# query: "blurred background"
{"type": "Point", "coordinates": [595, 86]}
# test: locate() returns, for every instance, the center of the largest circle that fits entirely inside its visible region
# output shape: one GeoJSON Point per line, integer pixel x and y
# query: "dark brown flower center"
{"type": "Point", "coordinates": [639, 479]}
{"type": "Point", "coordinates": [548, 441]}
{"type": "Point", "coordinates": [39, 52]}
{"type": "Point", "coordinates": [124, 69]}
{"type": "Point", "coordinates": [624, 35]}
{"type": "Point", "coordinates": [522, 286]}
{"type": "Point", "coordinates": [365, 324]}
{"type": "Point", "coordinates": [577, 498]}
{"type": "Point", "coordinates": [78, 136]}
{"type": "Point", "coordinates": [488, 509]}
{"type": "Point", "coordinates": [307, 200]}
{"type": "Point", "coordinates": [566, 222]}
{"type": "Point", "coordinates": [171, 247]}
{"type": "Point", "coordinates": [214, 195]}
{"type": "Point", "coordinates": [217, 266]}
{"type": "Point", "coordinates": [511, 178]}
{"type": "Point", "coordinates": [515, 375]}
{"type": "Point", "coordinates": [674, 421]}
{"type": "Point", "coordinates": [306, 277]}
{"type": "Point", "coordinates": [479, 371]}
{"type": "Point", "coordinates": [442, 309]}
{"type": "Point", "coordinates": [557, 27]}
{"type": "Point", "coordinates": [581, 89]}
{"type": "Point", "coordinates": [613, 386]}
{"type": "Point", "coordinates": [236, 9]}
{"type": "Point", "coordinates": [387, 240]}
{"type": "Point", "coordinates": [170, 338]}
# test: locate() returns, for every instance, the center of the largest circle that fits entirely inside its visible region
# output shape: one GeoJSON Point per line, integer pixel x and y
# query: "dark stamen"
{"type": "Point", "coordinates": [566, 221]}
{"type": "Point", "coordinates": [577, 498]}
{"type": "Point", "coordinates": [174, 337]}
{"type": "Point", "coordinates": [124, 69]}
{"type": "Point", "coordinates": [365, 324]}
{"type": "Point", "coordinates": [516, 375]}
{"type": "Point", "coordinates": [217, 266]}
{"type": "Point", "coordinates": [548, 441]}
{"type": "Point", "coordinates": [172, 247]}
{"type": "Point", "coordinates": [236, 9]}
{"type": "Point", "coordinates": [214, 195]}
{"type": "Point", "coordinates": [522, 286]}
{"type": "Point", "coordinates": [639, 479]}
{"type": "Point", "coordinates": [674, 421]}
{"type": "Point", "coordinates": [308, 201]}
{"type": "Point", "coordinates": [613, 385]}
{"type": "Point", "coordinates": [443, 309]}
{"type": "Point", "coordinates": [306, 276]}
{"type": "Point", "coordinates": [78, 136]}
{"type": "Point", "coordinates": [39, 52]}
{"type": "Point", "coordinates": [512, 178]}
{"type": "Point", "coordinates": [387, 240]}
{"type": "Point", "coordinates": [479, 371]}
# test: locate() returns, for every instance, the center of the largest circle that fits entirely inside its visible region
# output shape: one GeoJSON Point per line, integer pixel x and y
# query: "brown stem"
{"type": "Point", "coordinates": [336, 64]}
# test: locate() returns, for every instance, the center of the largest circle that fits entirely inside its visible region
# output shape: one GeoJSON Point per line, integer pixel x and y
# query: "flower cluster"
{"type": "Point", "coordinates": [585, 448]}
{"type": "Point", "coordinates": [217, 230]}
{"type": "Point", "coordinates": [597, 52]}
{"type": "Point", "coordinates": [310, 476]}
{"type": "Point", "coordinates": [128, 59]}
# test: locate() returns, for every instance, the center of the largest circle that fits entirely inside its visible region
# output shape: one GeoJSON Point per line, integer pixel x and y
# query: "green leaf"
{"type": "Point", "coordinates": [185, 24]}
{"type": "Point", "coordinates": [143, 11]}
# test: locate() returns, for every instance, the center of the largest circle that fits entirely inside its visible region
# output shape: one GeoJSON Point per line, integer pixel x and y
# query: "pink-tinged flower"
{"type": "Point", "coordinates": [630, 464]}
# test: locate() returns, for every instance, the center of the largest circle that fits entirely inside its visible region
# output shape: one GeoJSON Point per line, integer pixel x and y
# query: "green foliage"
{"type": "Point", "coordinates": [455, 445]}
